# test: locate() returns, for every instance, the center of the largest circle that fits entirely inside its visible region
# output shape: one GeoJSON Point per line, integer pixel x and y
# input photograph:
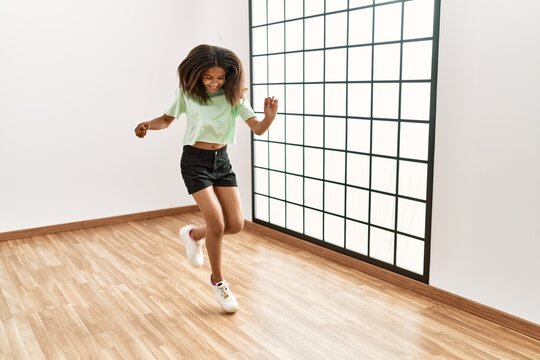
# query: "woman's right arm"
{"type": "Point", "coordinates": [159, 123]}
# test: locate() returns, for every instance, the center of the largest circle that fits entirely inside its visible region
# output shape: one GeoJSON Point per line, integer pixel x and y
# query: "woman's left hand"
{"type": "Point", "coordinates": [270, 107]}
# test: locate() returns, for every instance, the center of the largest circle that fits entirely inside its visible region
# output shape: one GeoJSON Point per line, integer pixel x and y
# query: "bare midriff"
{"type": "Point", "coordinates": [207, 146]}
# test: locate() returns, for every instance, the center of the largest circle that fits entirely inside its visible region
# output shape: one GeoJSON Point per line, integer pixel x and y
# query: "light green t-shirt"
{"type": "Point", "coordinates": [214, 122]}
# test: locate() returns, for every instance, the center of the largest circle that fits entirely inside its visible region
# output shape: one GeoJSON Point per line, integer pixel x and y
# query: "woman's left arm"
{"type": "Point", "coordinates": [259, 127]}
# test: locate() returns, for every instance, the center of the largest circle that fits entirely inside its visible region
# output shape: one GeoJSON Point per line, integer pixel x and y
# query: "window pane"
{"type": "Point", "coordinates": [414, 141]}
{"type": "Point", "coordinates": [261, 181]}
{"type": "Point", "coordinates": [276, 38]}
{"type": "Point", "coordinates": [295, 130]}
{"type": "Point", "coordinates": [336, 5]}
{"type": "Point", "coordinates": [314, 66]}
{"type": "Point", "coordinates": [294, 9]}
{"type": "Point", "coordinates": [334, 99]}
{"type": "Point", "coordinates": [261, 207]}
{"type": "Point", "coordinates": [411, 217]}
{"type": "Point", "coordinates": [336, 29]}
{"type": "Point", "coordinates": [381, 245]}
{"type": "Point", "coordinates": [358, 170]}
{"type": "Point", "coordinates": [277, 156]}
{"type": "Point", "coordinates": [413, 179]}
{"type": "Point", "coordinates": [277, 185]}
{"type": "Point", "coordinates": [334, 166]}
{"type": "Point", "coordinates": [359, 100]}
{"type": "Point", "coordinates": [276, 68]}
{"type": "Point", "coordinates": [417, 60]}
{"type": "Point", "coordinates": [383, 174]}
{"type": "Point", "coordinates": [386, 62]}
{"type": "Point", "coordinates": [334, 228]}
{"type": "Point", "coordinates": [388, 22]}
{"type": "Point", "coordinates": [336, 64]}
{"type": "Point", "coordinates": [295, 99]}
{"type": "Point", "coordinates": [358, 3]}
{"type": "Point", "coordinates": [314, 99]}
{"type": "Point", "coordinates": [259, 92]}
{"type": "Point", "coordinates": [334, 198]}
{"type": "Point", "coordinates": [358, 135]}
{"type": "Point", "coordinates": [313, 7]}
{"type": "Point", "coordinates": [359, 63]}
{"type": "Point", "coordinates": [294, 30]}
{"type": "Point", "coordinates": [313, 159]}
{"type": "Point", "coordinates": [357, 204]}
{"type": "Point", "coordinates": [260, 69]}
{"type": "Point", "coordinates": [385, 138]}
{"type": "Point", "coordinates": [277, 212]}
{"type": "Point", "coordinates": [314, 131]}
{"type": "Point", "coordinates": [385, 100]}
{"type": "Point", "coordinates": [335, 133]}
{"type": "Point", "coordinates": [260, 153]}
{"type": "Point", "coordinates": [314, 223]}
{"type": "Point", "coordinates": [258, 36]}
{"type": "Point", "coordinates": [314, 33]}
{"type": "Point", "coordinates": [415, 101]}
{"type": "Point", "coordinates": [418, 19]}
{"type": "Point", "coordinates": [295, 159]}
{"type": "Point", "coordinates": [295, 189]}
{"type": "Point", "coordinates": [360, 26]}
{"type": "Point", "coordinates": [277, 130]}
{"type": "Point", "coordinates": [314, 192]}
{"type": "Point", "coordinates": [383, 210]}
{"type": "Point", "coordinates": [410, 254]}
{"type": "Point", "coordinates": [276, 10]}
{"type": "Point", "coordinates": [357, 235]}
{"type": "Point", "coordinates": [295, 218]}
{"type": "Point", "coordinates": [258, 12]}
{"type": "Point", "coordinates": [294, 67]}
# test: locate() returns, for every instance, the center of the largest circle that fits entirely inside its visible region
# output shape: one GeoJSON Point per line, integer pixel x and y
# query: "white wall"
{"type": "Point", "coordinates": [76, 78]}
{"type": "Point", "coordinates": [486, 205]}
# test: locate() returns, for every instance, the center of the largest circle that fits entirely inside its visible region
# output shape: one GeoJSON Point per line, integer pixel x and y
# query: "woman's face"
{"type": "Point", "coordinates": [213, 78]}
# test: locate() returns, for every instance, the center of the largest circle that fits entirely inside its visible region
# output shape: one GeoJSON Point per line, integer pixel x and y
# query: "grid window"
{"type": "Point", "coordinates": [348, 161]}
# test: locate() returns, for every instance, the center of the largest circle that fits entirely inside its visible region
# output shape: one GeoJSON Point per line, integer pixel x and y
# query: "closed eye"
{"type": "Point", "coordinates": [211, 78]}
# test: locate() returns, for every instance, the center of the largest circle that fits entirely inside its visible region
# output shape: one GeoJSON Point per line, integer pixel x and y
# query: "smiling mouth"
{"type": "Point", "coordinates": [213, 88]}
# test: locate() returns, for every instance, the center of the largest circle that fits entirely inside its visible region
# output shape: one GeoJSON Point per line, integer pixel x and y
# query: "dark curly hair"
{"type": "Point", "coordinates": [203, 57]}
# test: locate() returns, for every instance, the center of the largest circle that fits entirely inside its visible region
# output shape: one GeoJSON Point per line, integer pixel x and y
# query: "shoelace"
{"type": "Point", "coordinates": [224, 291]}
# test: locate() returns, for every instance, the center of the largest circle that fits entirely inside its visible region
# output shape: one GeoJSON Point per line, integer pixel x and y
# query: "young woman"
{"type": "Point", "coordinates": [211, 94]}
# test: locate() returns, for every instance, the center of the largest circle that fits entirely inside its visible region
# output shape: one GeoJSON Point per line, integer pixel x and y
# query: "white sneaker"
{"type": "Point", "coordinates": [225, 297]}
{"type": "Point", "coordinates": [194, 251]}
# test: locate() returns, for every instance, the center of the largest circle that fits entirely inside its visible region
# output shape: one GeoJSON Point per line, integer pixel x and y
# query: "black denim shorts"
{"type": "Point", "coordinates": [204, 168]}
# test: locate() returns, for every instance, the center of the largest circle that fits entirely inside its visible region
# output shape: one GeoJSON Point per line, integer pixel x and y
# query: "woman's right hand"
{"type": "Point", "coordinates": [141, 129]}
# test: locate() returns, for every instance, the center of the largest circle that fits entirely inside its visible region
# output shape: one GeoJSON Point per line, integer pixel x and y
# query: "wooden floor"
{"type": "Point", "coordinates": [126, 292]}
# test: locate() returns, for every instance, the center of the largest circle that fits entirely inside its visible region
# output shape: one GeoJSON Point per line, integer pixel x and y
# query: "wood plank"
{"type": "Point", "coordinates": [126, 291]}
{"type": "Point", "coordinates": [498, 317]}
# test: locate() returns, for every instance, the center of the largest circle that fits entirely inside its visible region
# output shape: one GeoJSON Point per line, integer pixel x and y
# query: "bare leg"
{"type": "Point", "coordinates": [229, 199]}
{"type": "Point", "coordinates": [222, 212]}
{"type": "Point", "coordinates": [213, 231]}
